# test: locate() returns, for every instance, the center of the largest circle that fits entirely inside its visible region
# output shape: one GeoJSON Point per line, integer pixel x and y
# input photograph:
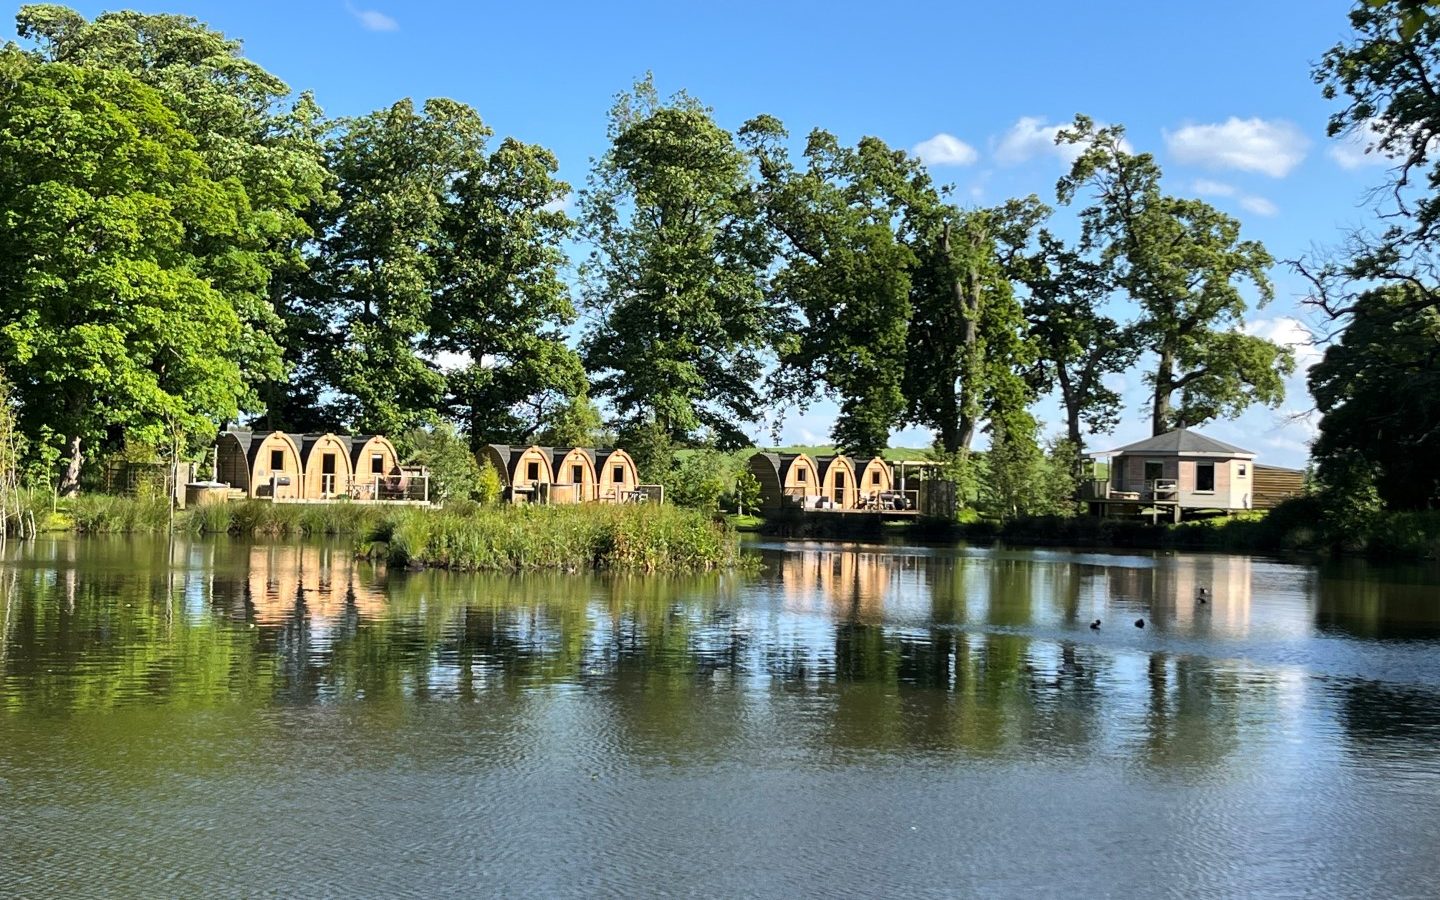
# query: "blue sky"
{"type": "Point", "coordinates": [1219, 91]}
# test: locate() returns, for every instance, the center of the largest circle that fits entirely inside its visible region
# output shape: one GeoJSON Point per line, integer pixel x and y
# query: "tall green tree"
{"type": "Point", "coordinates": [247, 127]}
{"type": "Point", "coordinates": [376, 271]}
{"type": "Point", "coordinates": [1183, 263]}
{"type": "Point", "coordinates": [845, 277]}
{"type": "Point", "coordinates": [967, 344]}
{"type": "Point", "coordinates": [674, 284]}
{"type": "Point", "coordinates": [1378, 391]}
{"type": "Point", "coordinates": [1075, 342]}
{"type": "Point", "coordinates": [502, 303]}
{"type": "Point", "coordinates": [124, 263]}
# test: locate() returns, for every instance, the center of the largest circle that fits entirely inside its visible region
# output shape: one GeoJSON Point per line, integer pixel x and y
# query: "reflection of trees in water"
{"type": "Point", "coordinates": [1403, 719]}
{"type": "Point", "coordinates": [1196, 709]}
{"type": "Point", "coordinates": [1378, 602]}
{"type": "Point", "coordinates": [1166, 593]}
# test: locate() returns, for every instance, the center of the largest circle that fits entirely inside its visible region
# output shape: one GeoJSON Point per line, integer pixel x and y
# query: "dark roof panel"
{"type": "Point", "coordinates": [1183, 441]}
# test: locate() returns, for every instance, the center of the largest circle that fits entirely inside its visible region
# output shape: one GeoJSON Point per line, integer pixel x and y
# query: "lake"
{"type": "Point", "coordinates": [220, 718]}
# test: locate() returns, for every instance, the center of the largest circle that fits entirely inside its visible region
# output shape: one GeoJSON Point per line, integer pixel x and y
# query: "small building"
{"type": "Point", "coordinates": [837, 481]}
{"type": "Point", "coordinates": [786, 479]}
{"type": "Point", "coordinates": [616, 476]}
{"type": "Point", "coordinates": [527, 472]}
{"type": "Point", "coordinates": [262, 466]}
{"type": "Point", "coordinates": [575, 480]}
{"type": "Point", "coordinates": [327, 466]}
{"type": "Point", "coordinates": [372, 457]}
{"type": "Point", "coordinates": [1171, 473]}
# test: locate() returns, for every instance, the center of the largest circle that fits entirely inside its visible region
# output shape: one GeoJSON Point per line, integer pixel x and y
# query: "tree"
{"type": "Point", "coordinates": [502, 302]}
{"type": "Point", "coordinates": [1378, 390]}
{"type": "Point", "coordinates": [1182, 261]}
{"type": "Point", "coordinates": [247, 128]}
{"type": "Point", "coordinates": [575, 424]}
{"type": "Point", "coordinates": [111, 226]}
{"type": "Point", "coordinates": [376, 272]}
{"type": "Point", "coordinates": [967, 344]}
{"type": "Point", "coordinates": [675, 281]}
{"type": "Point", "coordinates": [846, 275]}
{"type": "Point", "coordinates": [1075, 343]}
{"type": "Point", "coordinates": [454, 472]}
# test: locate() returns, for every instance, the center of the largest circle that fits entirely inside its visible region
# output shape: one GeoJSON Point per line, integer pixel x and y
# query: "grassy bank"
{"type": "Point", "coordinates": [1296, 526]}
{"type": "Point", "coordinates": [464, 536]}
{"type": "Point", "coordinates": [565, 538]}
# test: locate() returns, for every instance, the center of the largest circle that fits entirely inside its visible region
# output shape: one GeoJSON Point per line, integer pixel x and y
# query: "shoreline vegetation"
{"type": "Point", "coordinates": [462, 536]}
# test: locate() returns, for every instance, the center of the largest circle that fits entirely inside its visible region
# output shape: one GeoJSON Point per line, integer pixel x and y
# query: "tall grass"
{"type": "Point", "coordinates": [106, 514]}
{"type": "Point", "coordinates": [563, 538]}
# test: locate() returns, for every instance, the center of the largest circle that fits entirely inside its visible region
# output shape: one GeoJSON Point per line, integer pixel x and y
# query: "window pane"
{"type": "Point", "coordinates": [532, 471]}
{"type": "Point", "coordinates": [1204, 476]}
{"type": "Point", "coordinates": [617, 474]}
{"type": "Point", "coordinates": [377, 464]}
{"type": "Point", "coordinates": [277, 459]}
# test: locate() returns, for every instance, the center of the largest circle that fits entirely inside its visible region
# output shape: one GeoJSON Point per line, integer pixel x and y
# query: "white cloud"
{"type": "Point", "coordinates": [1289, 331]}
{"type": "Point", "coordinates": [1360, 147]}
{"type": "Point", "coordinates": [373, 19]}
{"type": "Point", "coordinates": [1251, 145]}
{"type": "Point", "coordinates": [564, 204]}
{"type": "Point", "coordinates": [1259, 205]}
{"type": "Point", "coordinates": [945, 150]}
{"type": "Point", "coordinates": [1032, 136]}
{"type": "Point", "coordinates": [1206, 188]}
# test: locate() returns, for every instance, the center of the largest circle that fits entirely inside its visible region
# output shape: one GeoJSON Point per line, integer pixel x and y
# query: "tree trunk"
{"type": "Point", "coordinates": [70, 481]}
{"type": "Point", "coordinates": [1164, 387]}
{"type": "Point", "coordinates": [1072, 406]}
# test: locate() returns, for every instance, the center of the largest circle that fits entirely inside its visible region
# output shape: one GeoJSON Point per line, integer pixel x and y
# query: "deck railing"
{"type": "Point", "coordinates": [389, 488]}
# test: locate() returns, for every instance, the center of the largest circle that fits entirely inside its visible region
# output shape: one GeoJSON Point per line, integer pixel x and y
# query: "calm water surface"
{"type": "Point", "coordinates": [225, 719]}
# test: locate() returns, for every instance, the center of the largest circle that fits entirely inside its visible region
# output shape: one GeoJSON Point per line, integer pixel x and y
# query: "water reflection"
{"type": "Point", "coordinates": [887, 647]}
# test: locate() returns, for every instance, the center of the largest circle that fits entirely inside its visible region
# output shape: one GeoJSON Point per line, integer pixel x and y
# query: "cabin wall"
{"type": "Point", "coordinates": [317, 485]}
{"type": "Point", "coordinates": [611, 488]}
{"type": "Point", "coordinates": [498, 462]}
{"type": "Point", "coordinates": [570, 490]}
{"type": "Point", "coordinates": [231, 466]}
{"type": "Point", "coordinates": [289, 468]}
{"type": "Point", "coordinates": [1272, 484]}
{"type": "Point", "coordinates": [533, 468]}
{"type": "Point", "coordinates": [840, 485]}
{"type": "Point", "coordinates": [1224, 496]}
{"type": "Point", "coordinates": [803, 477]}
{"type": "Point", "coordinates": [763, 468]}
{"type": "Point", "coordinates": [876, 476]}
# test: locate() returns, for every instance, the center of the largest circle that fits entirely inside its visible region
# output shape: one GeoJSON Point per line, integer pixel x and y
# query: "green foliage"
{"type": "Point", "coordinates": [489, 487]}
{"type": "Point", "coordinates": [660, 538]}
{"type": "Point", "coordinates": [1378, 389]}
{"type": "Point", "coordinates": [747, 491]}
{"type": "Point", "coordinates": [576, 423]}
{"type": "Point", "coordinates": [674, 280]}
{"type": "Point", "coordinates": [248, 131]}
{"type": "Point", "coordinates": [454, 472]}
{"type": "Point", "coordinates": [124, 262]}
{"type": "Point", "coordinates": [700, 480]}
{"type": "Point", "coordinates": [1182, 262]}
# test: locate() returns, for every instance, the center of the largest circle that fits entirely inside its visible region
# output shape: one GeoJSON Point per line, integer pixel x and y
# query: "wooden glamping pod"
{"type": "Point", "coordinates": [575, 480]}
{"type": "Point", "coordinates": [616, 476]}
{"type": "Point", "coordinates": [375, 464]}
{"type": "Point", "coordinates": [786, 479]}
{"type": "Point", "coordinates": [526, 471]}
{"type": "Point", "coordinates": [327, 466]}
{"type": "Point", "coordinates": [837, 481]}
{"type": "Point", "coordinates": [267, 466]}
{"type": "Point", "coordinates": [877, 476]}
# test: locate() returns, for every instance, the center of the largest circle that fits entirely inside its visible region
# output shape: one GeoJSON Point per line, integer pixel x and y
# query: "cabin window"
{"type": "Point", "coordinates": [532, 471]}
{"type": "Point", "coordinates": [800, 475]}
{"type": "Point", "coordinates": [1240, 469]}
{"type": "Point", "coordinates": [1204, 477]}
{"type": "Point", "coordinates": [617, 474]}
{"type": "Point", "coordinates": [1154, 470]}
{"type": "Point", "coordinates": [277, 459]}
{"type": "Point", "coordinates": [577, 474]}
{"type": "Point", "coordinates": [327, 464]}
{"type": "Point", "coordinates": [377, 464]}
{"type": "Point", "coordinates": [875, 478]}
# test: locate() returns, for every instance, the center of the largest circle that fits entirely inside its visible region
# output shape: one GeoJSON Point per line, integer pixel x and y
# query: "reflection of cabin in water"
{"type": "Point", "coordinates": [316, 468]}
{"type": "Point", "coordinates": [1171, 474]}
{"type": "Point", "coordinates": [567, 475]}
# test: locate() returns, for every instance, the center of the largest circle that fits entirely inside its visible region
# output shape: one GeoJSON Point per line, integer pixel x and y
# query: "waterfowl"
{"type": "Point", "coordinates": [1095, 625]}
{"type": "Point", "coordinates": [1139, 623]}
{"type": "Point", "coordinates": [1203, 596]}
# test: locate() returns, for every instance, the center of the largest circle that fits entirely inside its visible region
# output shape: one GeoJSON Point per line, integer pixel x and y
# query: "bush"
{"type": "Point", "coordinates": [454, 472]}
